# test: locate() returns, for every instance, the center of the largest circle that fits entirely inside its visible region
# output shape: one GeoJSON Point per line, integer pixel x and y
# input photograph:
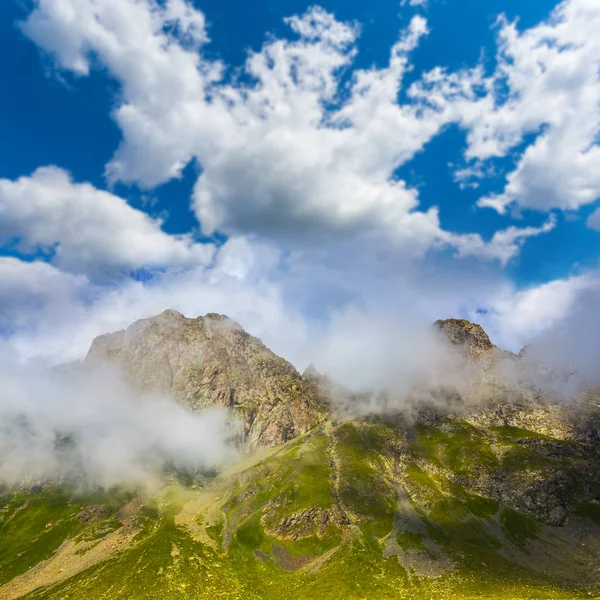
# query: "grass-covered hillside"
{"type": "Point", "coordinates": [364, 509]}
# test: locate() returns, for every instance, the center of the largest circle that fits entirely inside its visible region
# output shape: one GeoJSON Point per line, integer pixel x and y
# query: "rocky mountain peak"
{"type": "Point", "coordinates": [212, 361]}
{"type": "Point", "coordinates": [170, 313]}
{"type": "Point", "coordinates": [470, 337]}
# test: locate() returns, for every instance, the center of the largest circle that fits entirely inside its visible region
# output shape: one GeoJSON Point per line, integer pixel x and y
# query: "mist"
{"type": "Point", "coordinates": [92, 427]}
{"type": "Point", "coordinates": [572, 343]}
{"type": "Point", "coordinates": [400, 363]}
{"type": "Point", "coordinates": [369, 352]}
{"type": "Point", "coordinates": [388, 364]}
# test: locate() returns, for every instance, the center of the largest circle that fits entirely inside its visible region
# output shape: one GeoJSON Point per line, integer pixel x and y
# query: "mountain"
{"type": "Point", "coordinates": [212, 361]}
{"type": "Point", "coordinates": [496, 498]}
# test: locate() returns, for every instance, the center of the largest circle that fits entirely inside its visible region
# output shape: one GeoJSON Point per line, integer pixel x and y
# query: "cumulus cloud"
{"type": "Point", "coordinates": [31, 286]}
{"type": "Point", "coordinates": [287, 151]}
{"type": "Point", "coordinates": [504, 244]}
{"type": "Point", "coordinates": [557, 324]}
{"type": "Point", "coordinates": [86, 230]}
{"type": "Point", "coordinates": [289, 301]}
{"type": "Point", "coordinates": [385, 352]}
{"type": "Point", "coordinates": [546, 85]}
{"type": "Point", "coordinates": [379, 338]}
{"type": "Point", "coordinates": [572, 341]}
{"type": "Point", "coordinates": [299, 155]}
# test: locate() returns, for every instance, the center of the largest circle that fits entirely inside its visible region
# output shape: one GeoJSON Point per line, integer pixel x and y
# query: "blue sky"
{"type": "Point", "coordinates": [268, 215]}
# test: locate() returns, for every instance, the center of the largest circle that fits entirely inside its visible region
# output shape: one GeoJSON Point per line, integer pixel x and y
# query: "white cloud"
{"type": "Point", "coordinates": [294, 303]}
{"type": "Point", "coordinates": [34, 278]}
{"type": "Point", "coordinates": [115, 434]}
{"type": "Point", "coordinates": [87, 230]}
{"type": "Point", "coordinates": [517, 318]}
{"type": "Point", "coordinates": [558, 321]}
{"type": "Point", "coordinates": [297, 168]}
{"type": "Point", "coordinates": [376, 312]}
{"type": "Point", "coordinates": [504, 244]}
{"type": "Point", "coordinates": [70, 311]}
{"type": "Point", "coordinates": [273, 296]}
{"type": "Point", "coordinates": [546, 84]}
{"type": "Point", "coordinates": [415, 3]}
{"type": "Point", "coordinates": [469, 176]}
{"type": "Point", "coordinates": [30, 287]}
{"type": "Point", "coordinates": [593, 221]}
{"type": "Point", "coordinates": [287, 153]}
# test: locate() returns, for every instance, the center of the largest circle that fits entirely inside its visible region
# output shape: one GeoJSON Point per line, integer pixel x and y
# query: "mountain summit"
{"type": "Point", "coordinates": [212, 361]}
{"type": "Point", "coordinates": [470, 336]}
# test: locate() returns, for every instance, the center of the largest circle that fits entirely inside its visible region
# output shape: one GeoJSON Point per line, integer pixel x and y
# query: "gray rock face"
{"type": "Point", "coordinates": [212, 361]}
{"type": "Point", "coordinates": [472, 340]}
{"type": "Point", "coordinates": [469, 336]}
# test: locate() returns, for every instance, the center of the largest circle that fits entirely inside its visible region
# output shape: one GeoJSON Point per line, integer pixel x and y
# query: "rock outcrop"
{"type": "Point", "coordinates": [467, 335]}
{"type": "Point", "coordinates": [211, 361]}
{"type": "Point", "coordinates": [474, 343]}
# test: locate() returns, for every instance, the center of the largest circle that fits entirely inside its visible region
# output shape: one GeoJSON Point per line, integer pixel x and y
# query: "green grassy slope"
{"type": "Point", "coordinates": [355, 510]}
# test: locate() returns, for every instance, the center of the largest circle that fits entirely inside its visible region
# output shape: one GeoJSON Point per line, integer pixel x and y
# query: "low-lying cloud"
{"type": "Point", "coordinates": [90, 426]}
{"type": "Point", "coordinates": [371, 353]}
{"type": "Point", "coordinates": [572, 342]}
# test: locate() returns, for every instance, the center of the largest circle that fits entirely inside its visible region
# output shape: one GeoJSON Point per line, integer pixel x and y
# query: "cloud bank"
{"type": "Point", "coordinates": [92, 428]}
{"type": "Point", "coordinates": [288, 152]}
{"type": "Point", "coordinates": [86, 230]}
{"type": "Point", "coordinates": [299, 154]}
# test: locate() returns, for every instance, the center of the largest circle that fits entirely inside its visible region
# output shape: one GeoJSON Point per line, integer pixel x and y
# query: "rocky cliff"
{"type": "Point", "coordinates": [212, 361]}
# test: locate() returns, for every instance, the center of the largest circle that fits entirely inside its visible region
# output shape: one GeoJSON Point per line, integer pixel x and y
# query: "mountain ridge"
{"type": "Point", "coordinates": [213, 361]}
{"type": "Point", "coordinates": [488, 491]}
